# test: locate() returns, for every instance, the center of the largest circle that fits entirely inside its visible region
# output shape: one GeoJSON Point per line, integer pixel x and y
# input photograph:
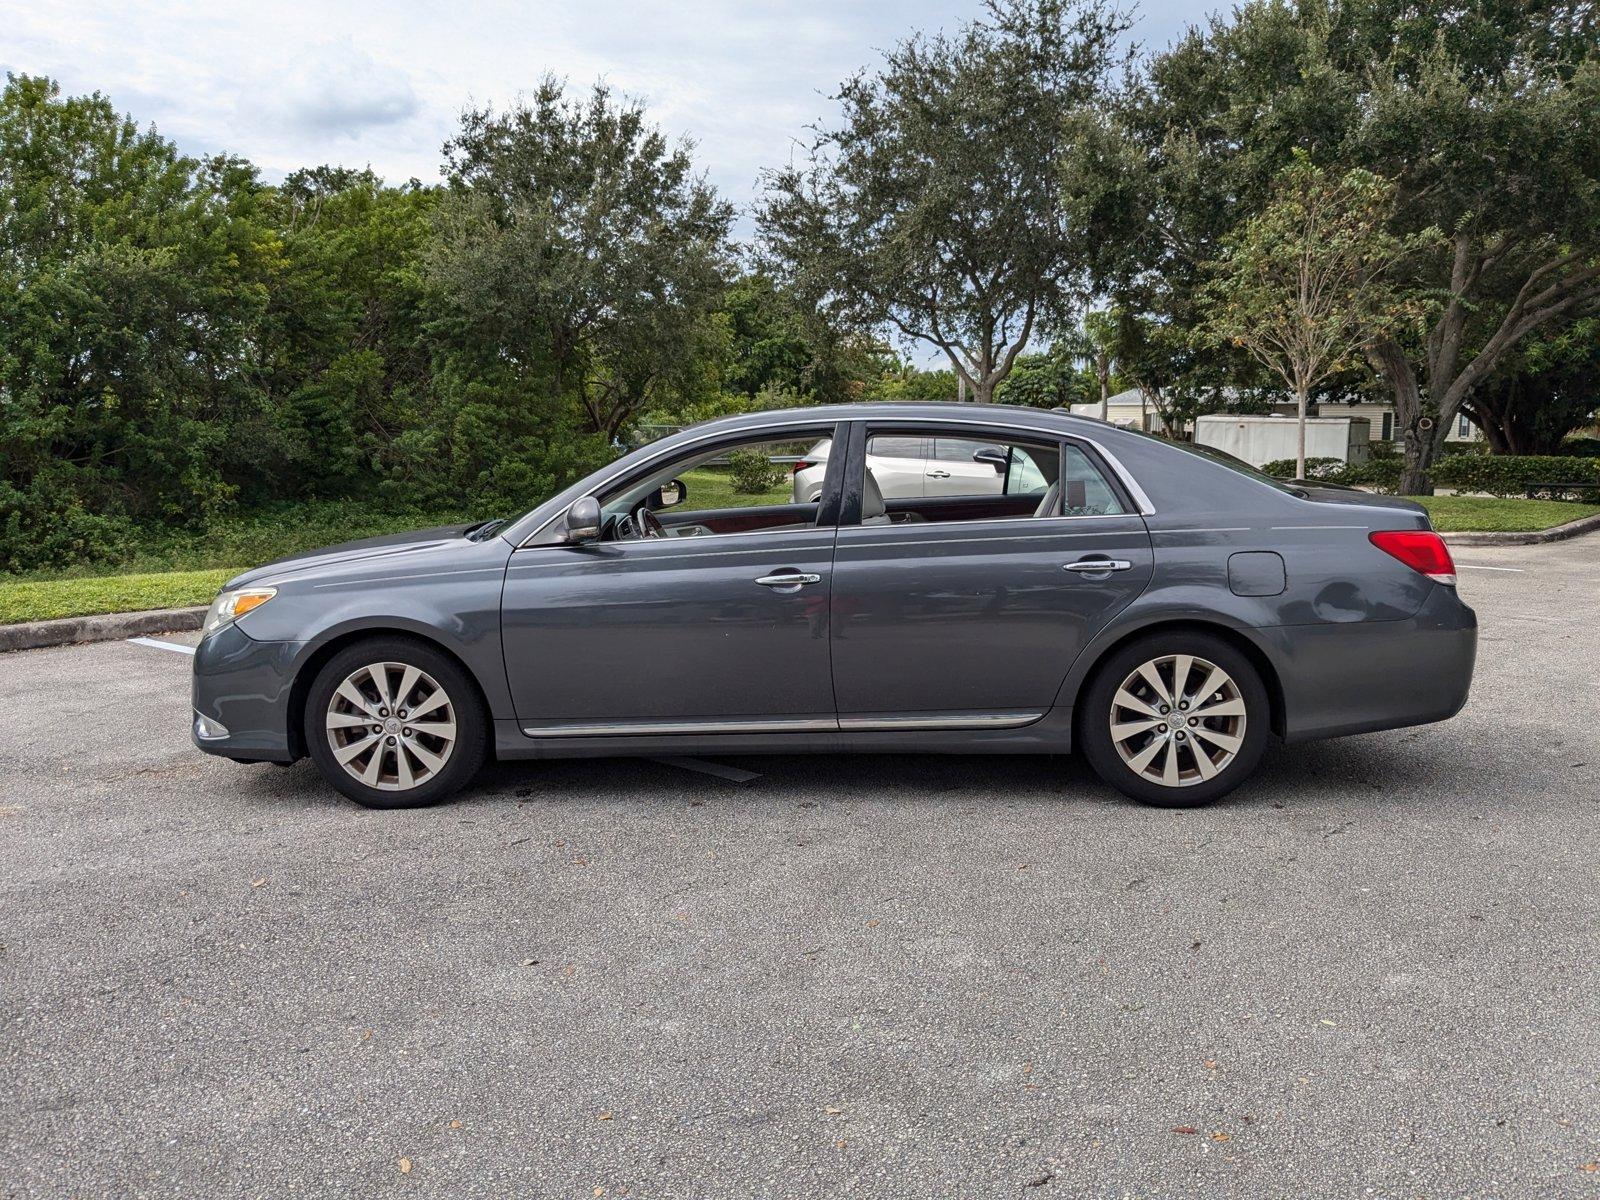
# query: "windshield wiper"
{"type": "Point", "coordinates": [483, 529]}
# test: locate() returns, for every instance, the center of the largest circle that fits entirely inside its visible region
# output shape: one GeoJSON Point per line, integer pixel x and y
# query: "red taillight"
{"type": "Point", "coordinates": [1420, 549]}
{"type": "Point", "coordinates": [802, 466]}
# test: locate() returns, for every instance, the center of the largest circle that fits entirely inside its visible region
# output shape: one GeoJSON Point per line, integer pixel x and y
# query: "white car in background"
{"type": "Point", "coordinates": [925, 466]}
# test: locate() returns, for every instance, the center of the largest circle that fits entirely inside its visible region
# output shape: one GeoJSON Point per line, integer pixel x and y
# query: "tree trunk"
{"type": "Point", "coordinates": [1105, 399]}
{"type": "Point", "coordinates": [1301, 400]}
{"type": "Point", "coordinates": [1421, 448]}
{"type": "Point", "coordinates": [1391, 364]}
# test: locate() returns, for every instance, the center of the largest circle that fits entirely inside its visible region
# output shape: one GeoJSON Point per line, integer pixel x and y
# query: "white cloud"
{"type": "Point", "coordinates": [340, 90]}
{"type": "Point", "coordinates": [360, 82]}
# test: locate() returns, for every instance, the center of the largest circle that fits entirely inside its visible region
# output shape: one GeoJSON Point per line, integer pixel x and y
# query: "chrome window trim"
{"type": "Point", "coordinates": [1140, 498]}
{"type": "Point", "coordinates": [627, 550]}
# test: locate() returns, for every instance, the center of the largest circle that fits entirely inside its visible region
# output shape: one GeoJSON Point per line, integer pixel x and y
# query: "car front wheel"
{"type": "Point", "coordinates": [1175, 720]}
{"type": "Point", "coordinates": [394, 723]}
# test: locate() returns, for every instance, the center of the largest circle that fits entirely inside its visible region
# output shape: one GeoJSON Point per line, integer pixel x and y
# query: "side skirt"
{"type": "Point", "coordinates": [1010, 733]}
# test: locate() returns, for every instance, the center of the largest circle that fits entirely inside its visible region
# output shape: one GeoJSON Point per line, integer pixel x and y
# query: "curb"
{"type": "Point", "coordinates": [1556, 533]}
{"type": "Point", "coordinates": [36, 635]}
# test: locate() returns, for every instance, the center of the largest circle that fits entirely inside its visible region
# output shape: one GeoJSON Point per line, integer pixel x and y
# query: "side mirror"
{"type": "Point", "coordinates": [668, 494]}
{"type": "Point", "coordinates": [994, 456]}
{"type": "Point", "coordinates": [583, 521]}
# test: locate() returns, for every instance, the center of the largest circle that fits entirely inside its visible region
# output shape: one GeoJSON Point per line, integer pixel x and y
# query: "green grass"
{"type": "Point", "coordinates": [1476, 514]}
{"type": "Point", "coordinates": [44, 599]}
{"type": "Point", "coordinates": [712, 487]}
{"type": "Point", "coordinates": [176, 568]}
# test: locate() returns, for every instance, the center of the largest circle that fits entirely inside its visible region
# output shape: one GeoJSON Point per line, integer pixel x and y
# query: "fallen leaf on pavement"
{"type": "Point", "coordinates": [405, 1166]}
{"type": "Point", "coordinates": [605, 1116]}
{"type": "Point", "coordinates": [1184, 1129]}
{"type": "Point", "coordinates": [1219, 1136]}
{"type": "Point", "coordinates": [258, 882]}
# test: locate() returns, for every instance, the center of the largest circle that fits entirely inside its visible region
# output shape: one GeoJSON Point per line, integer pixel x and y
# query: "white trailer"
{"type": "Point", "coordinates": [1260, 440]}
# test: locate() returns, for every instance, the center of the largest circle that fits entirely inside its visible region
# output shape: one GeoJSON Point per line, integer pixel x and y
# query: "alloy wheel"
{"type": "Point", "coordinates": [1178, 720]}
{"type": "Point", "coordinates": [391, 726]}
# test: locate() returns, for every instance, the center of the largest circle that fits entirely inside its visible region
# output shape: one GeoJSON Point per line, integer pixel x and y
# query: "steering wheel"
{"type": "Point", "coordinates": [640, 523]}
{"type": "Point", "coordinates": [650, 525]}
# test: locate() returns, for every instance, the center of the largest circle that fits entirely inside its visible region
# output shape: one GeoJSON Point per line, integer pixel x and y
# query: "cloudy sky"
{"type": "Point", "coordinates": [297, 82]}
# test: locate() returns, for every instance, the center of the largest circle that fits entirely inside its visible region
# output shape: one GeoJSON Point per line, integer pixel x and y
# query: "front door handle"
{"type": "Point", "coordinates": [1098, 566]}
{"type": "Point", "coordinates": [938, 474]}
{"type": "Point", "coordinates": [788, 581]}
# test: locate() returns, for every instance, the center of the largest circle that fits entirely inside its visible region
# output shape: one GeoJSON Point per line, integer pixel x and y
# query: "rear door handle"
{"type": "Point", "coordinates": [938, 474]}
{"type": "Point", "coordinates": [790, 580]}
{"type": "Point", "coordinates": [1098, 566]}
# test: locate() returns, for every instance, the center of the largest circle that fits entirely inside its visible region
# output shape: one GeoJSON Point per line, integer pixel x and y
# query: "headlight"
{"type": "Point", "coordinates": [230, 606]}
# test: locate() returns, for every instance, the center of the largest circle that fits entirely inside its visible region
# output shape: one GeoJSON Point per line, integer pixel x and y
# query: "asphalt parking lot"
{"type": "Point", "coordinates": [1375, 971]}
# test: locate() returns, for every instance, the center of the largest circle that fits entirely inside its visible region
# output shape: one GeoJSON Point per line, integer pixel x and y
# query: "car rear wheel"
{"type": "Point", "coordinates": [1175, 720]}
{"type": "Point", "coordinates": [393, 723]}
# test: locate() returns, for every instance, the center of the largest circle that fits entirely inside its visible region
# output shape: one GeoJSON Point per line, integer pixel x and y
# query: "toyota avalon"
{"type": "Point", "coordinates": [1161, 609]}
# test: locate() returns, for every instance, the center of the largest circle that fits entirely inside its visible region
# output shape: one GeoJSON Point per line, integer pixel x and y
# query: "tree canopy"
{"type": "Point", "coordinates": [935, 206]}
{"type": "Point", "coordinates": [1485, 117]}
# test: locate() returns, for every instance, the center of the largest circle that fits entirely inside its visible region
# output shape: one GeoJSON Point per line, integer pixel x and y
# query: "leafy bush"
{"type": "Point", "coordinates": [1316, 468]}
{"type": "Point", "coordinates": [1581, 447]}
{"type": "Point", "coordinates": [1379, 474]}
{"type": "Point", "coordinates": [1509, 475]}
{"type": "Point", "coordinates": [753, 471]}
{"type": "Point", "coordinates": [93, 545]}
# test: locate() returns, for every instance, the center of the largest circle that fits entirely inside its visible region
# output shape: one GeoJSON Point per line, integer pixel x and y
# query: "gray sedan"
{"type": "Point", "coordinates": [1162, 609]}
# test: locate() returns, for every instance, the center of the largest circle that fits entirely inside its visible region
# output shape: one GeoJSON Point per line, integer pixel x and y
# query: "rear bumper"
{"type": "Point", "coordinates": [244, 686]}
{"type": "Point", "coordinates": [1363, 676]}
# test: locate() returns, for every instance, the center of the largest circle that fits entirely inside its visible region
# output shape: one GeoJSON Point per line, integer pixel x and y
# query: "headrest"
{"type": "Point", "coordinates": [872, 504]}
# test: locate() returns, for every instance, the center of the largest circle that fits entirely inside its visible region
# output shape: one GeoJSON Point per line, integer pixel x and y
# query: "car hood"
{"type": "Point", "coordinates": [396, 546]}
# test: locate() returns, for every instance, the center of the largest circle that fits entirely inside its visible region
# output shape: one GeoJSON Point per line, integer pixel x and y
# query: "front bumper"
{"type": "Point", "coordinates": [245, 687]}
{"type": "Point", "coordinates": [1357, 677]}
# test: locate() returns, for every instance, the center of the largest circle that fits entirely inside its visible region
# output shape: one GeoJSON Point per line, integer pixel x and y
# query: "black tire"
{"type": "Point", "coordinates": [1096, 710]}
{"type": "Point", "coordinates": [471, 722]}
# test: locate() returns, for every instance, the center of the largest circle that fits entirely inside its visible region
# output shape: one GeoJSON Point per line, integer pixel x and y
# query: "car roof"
{"type": "Point", "coordinates": [933, 410]}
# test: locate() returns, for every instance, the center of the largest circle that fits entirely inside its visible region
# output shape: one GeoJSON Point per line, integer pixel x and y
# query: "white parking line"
{"type": "Point", "coordinates": [1477, 567]}
{"type": "Point", "coordinates": [175, 647]}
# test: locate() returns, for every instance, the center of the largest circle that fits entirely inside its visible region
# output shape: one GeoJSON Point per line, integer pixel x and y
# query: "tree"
{"type": "Point", "coordinates": [1484, 114]}
{"type": "Point", "coordinates": [1305, 285]}
{"type": "Point", "coordinates": [777, 343]}
{"type": "Point", "coordinates": [345, 350]}
{"type": "Point", "coordinates": [936, 207]}
{"type": "Point", "coordinates": [131, 282]}
{"type": "Point", "coordinates": [575, 245]}
{"type": "Point", "coordinates": [1095, 343]}
{"type": "Point", "coordinates": [1546, 388]}
{"type": "Point", "coordinates": [1042, 381]}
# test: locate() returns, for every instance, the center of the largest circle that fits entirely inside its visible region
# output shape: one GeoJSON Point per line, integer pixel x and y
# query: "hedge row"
{"type": "Point", "coordinates": [1508, 475]}
{"type": "Point", "coordinates": [1497, 475]}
